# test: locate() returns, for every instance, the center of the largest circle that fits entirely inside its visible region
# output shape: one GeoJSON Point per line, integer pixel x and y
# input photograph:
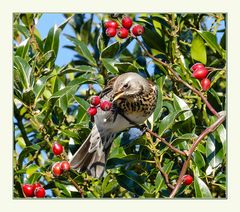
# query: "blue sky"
{"type": "Point", "coordinates": [45, 23]}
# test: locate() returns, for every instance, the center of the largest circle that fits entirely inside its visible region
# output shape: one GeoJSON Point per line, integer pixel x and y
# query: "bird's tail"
{"type": "Point", "coordinates": [92, 155]}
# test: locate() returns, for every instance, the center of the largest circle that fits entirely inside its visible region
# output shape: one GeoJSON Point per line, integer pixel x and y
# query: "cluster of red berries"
{"type": "Point", "coordinates": [59, 167]}
{"type": "Point", "coordinates": [187, 179]}
{"type": "Point", "coordinates": [200, 72]}
{"type": "Point", "coordinates": [96, 102]}
{"type": "Point", "coordinates": [122, 31]}
{"type": "Point", "coordinates": [31, 190]}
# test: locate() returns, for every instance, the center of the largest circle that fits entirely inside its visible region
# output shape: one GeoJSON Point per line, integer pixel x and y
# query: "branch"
{"type": "Point", "coordinates": [210, 129]}
{"type": "Point", "coordinates": [165, 142]}
{"type": "Point", "coordinates": [178, 78]}
{"type": "Point", "coordinates": [74, 183]}
{"type": "Point", "coordinates": [21, 126]}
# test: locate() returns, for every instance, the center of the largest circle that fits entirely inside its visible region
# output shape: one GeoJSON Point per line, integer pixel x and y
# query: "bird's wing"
{"type": "Point", "coordinates": [108, 88]}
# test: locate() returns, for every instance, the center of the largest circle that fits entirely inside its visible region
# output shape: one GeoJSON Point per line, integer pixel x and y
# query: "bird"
{"type": "Point", "coordinates": [133, 101]}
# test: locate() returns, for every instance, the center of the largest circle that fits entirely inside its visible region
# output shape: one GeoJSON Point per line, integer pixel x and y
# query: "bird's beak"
{"type": "Point", "coordinates": [118, 95]}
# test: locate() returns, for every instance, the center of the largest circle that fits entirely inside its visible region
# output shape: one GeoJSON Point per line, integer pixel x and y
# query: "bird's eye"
{"type": "Point", "coordinates": [125, 86]}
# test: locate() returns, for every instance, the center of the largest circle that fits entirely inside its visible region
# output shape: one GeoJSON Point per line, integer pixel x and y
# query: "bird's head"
{"type": "Point", "coordinates": [129, 85]}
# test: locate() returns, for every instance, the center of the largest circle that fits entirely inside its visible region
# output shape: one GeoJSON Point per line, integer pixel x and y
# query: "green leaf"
{"type": "Point", "coordinates": [27, 19]}
{"type": "Point", "coordinates": [153, 39]}
{"type": "Point", "coordinates": [34, 177]}
{"type": "Point", "coordinates": [198, 159]}
{"type": "Point", "coordinates": [111, 50]}
{"type": "Point", "coordinates": [211, 40]}
{"type": "Point", "coordinates": [159, 180]}
{"type": "Point", "coordinates": [179, 105]}
{"type": "Point", "coordinates": [71, 87]}
{"type": "Point", "coordinates": [52, 40]}
{"type": "Point", "coordinates": [31, 169]}
{"type": "Point", "coordinates": [22, 50]}
{"type": "Point", "coordinates": [126, 67]}
{"type": "Point", "coordinates": [25, 152]}
{"type": "Point", "coordinates": [108, 64]}
{"type": "Point", "coordinates": [82, 111]}
{"type": "Point", "coordinates": [168, 121]}
{"type": "Point", "coordinates": [28, 97]}
{"type": "Point", "coordinates": [22, 29]}
{"type": "Point", "coordinates": [49, 56]}
{"type": "Point", "coordinates": [78, 69]}
{"type": "Point", "coordinates": [63, 188]}
{"type": "Point", "coordinates": [21, 142]}
{"type": "Point", "coordinates": [131, 181]}
{"type": "Point", "coordinates": [201, 189]}
{"type": "Point", "coordinates": [157, 112]}
{"type": "Point", "coordinates": [39, 86]}
{"type": "Point", "coordinates": [22, 72]}
{"type": "Point", "coordinates": [83, 50]}
{"type": "Point", "coordinates": [214, 152]}
{"type": "Point", "coordinates": [198, 49]}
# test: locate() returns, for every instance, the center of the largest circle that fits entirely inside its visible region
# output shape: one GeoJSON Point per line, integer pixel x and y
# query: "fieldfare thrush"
{"type": "Point", "coordinates": [133, 101]}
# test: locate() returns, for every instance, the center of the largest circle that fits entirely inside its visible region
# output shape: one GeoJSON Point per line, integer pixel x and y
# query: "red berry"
{"type": "Point", "coordinates": [28, 190]}
{"type": "Point", "coordinates": [200, 73]}
{"type": "Point", "coordinates": [110, 23]}
{"type": "Point", "coordinates": [205, 84]}
{"type": "Point", "coordinates": [111, 32]}
{"type": "Point", "coordinates": [127, 22]}
{"type": "Point", "coordinates": [187, 179]}
{"type": "Point", "coordinates": [138, 30]}
{"type": "Point", "coordinates": [56, 169]}
{"type": "Point", "coordinates": [92, 111]}
{"type": "Point", "coordinates": [197, 66]}
{"type": "Point", "coordinates": [95, 100]}
{"type": "Point", "coordinates": [65, 166]}
{"type": "Point", "coordinates": [122, 33]}
{"type": "Point", "coordinates": [39, 192]}
{"type": "Point", "coordinates": [57, 148]}
{"type": "Point", "coordinates": [36, 185]}
{"type": "Point", "coordinates": [105, 105]}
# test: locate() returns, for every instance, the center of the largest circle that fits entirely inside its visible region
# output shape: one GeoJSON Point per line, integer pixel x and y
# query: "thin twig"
{"type": "Point", "coordinates": [74, 183]}
{"type": "Point", "coordinates": [21, 126]}
{"type": "Point", "coordinates": [178, 78]}
{"type": "Point", "coordinates": [210, 129]}
{"type": "Point", "coordinates": [165, 175]}
{"type": "Point", "coordinates": [165, 142]}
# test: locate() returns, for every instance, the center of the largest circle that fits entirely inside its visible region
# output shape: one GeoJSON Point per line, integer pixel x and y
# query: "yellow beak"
{"type": "Point", "coordinates": [118, 95]}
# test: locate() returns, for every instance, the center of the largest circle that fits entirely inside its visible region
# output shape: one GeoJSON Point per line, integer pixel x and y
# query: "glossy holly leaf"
{"type": "Point", "coordinates": [22, 50]}
{"type": "Point", "coordinates": [35, 177]}
{"type": "Point", "coordinates": [199, 159]}
{"type": "Point", "coordinates": [46, 58]}
{"type": "Point", "coordinates": [198, 49]}
{"type": "Point", "coordinates": [83, 50]}
{"type": "Point", "coordinates": [131, 181]}
{"type": "Point", "coordinates": [168, 121]}
{"type": "Point", "coordinates": [39, 86]}
{"type": "Point", "coordinates": [153, 39]}
{"type": "Point", "coordinates": [52, 40]}
{"type": "Point", "coordinates": [63, 189]}
{"type": "Point", "coordinates": [159, 180]}
{"type": "Point", "coordinates": [201, 189]}
{"type": "Point", "coordinates": [22, 29]}
{"type": "Point", "coordinates": [111, 50]}
{"type": "Point", "coordinates": [126, 67]}
{"type": "Point", "coordinates": [180, 105]}
{"type": "Point", "coordinates": [31, 169]}
{"type": "Point", "coordinates": [214, 151]}
{"type": "Point", "coordinates": [211, 40]}
{"type": "Point", "coordinates": [109, 65]}
{"type": "Point", "coordinates": [25, 153]}
{"type": "Point", "coordinates": [23, 72]}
